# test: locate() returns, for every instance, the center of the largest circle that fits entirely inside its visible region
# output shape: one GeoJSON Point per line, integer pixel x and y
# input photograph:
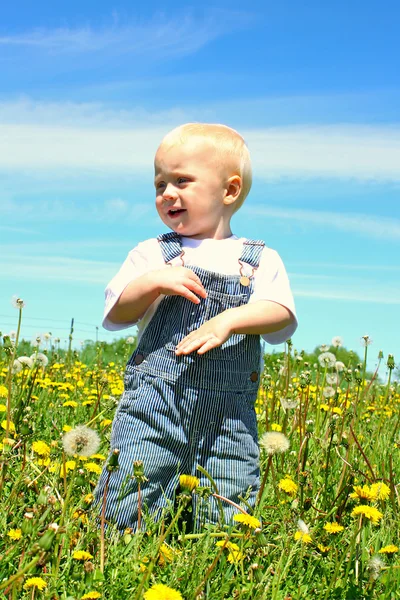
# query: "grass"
{"type": "Point", "coordinates": [329, 508]}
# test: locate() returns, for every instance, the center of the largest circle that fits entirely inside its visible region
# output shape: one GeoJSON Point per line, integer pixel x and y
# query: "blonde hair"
{"type": "Point", "coordinates": [228, 144]}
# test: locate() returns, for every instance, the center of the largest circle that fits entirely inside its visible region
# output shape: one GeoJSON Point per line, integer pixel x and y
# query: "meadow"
{"type": "Point", "coordinates": [326, 524]}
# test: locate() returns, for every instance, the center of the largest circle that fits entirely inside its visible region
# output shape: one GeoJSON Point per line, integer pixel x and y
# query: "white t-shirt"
{"type": "Point", "coordinates": [220, 256]}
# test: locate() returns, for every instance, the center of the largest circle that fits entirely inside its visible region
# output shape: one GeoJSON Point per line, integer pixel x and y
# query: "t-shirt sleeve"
{"type": "Point", "coordinates": [272, 283]}
{"type": "Point", "coordinates": [135, 265]}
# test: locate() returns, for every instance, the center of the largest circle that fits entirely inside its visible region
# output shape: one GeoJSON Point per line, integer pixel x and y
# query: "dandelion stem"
{"type": "Point", "coordinates": [264, 480]}
{"type": "Point", "coordinates": [216, 491]}
{"type": "Point", "coordinates": [363, 453]}
{"type": "Point", "coordinates": [102, 523]}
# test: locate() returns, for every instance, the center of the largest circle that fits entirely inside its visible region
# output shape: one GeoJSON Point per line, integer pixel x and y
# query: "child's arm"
{"type": "Point", "coordinates": [258, 317]}
{"type": "Point", "coordinates": [141, 293]}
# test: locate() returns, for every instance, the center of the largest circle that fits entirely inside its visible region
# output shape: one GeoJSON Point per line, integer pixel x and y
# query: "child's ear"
{"type": "Point", "coordinates": [233, 189]}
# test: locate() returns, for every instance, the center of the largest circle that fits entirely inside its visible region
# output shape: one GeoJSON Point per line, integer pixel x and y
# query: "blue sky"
{"type": "Point", "coordinates": [88, 90]}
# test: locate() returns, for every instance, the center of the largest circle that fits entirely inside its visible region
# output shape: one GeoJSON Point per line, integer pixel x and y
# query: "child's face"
{"type": "Point", "coordinates": [191, 190]}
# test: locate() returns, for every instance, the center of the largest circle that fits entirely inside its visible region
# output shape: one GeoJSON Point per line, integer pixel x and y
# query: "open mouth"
{"type": "Point", "coordinates": [175, 212]}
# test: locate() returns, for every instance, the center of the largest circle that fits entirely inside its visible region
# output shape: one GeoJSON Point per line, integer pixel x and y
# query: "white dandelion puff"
{"type": "Point", "coordinates": [332, 379]}
{"type": "Point", "coordinates": [274, 442]}
{"type": "Point", "coordinates": [337, 341]}
{"type": "Point", "coordinates": [339, 366]}
{"type": "Point", "coordinates": [328, 391]}
{"type": "Point", "coordinates": [17, 367]}
{"type": "Point", "coordinates": [40, 359]}
{"type": "Point", "coordinates": [130, 340]}
{"type": "Point", "coordinates": [12, 335]}
{"type": "Point", "coordinates": [375, 567]}
{"type": "Point", "coordinates": [302, 527]}
{"type": "Point", "coordinates": [288, 404]}
{"type": "Point", "coordinates": [17, 302]}
{"type": "Point", "coordinates": [327, 359]}
{"type": "Point", "coordinates": [47, 336]}
{"type": "Point", "coordinates": [26, 361]}
{"type": "Point", "coordinates": [324, 348]}
{"type": "Point", "coordinates": [82, 441]}
{"type": "Point", "coordinates": [366, 340]}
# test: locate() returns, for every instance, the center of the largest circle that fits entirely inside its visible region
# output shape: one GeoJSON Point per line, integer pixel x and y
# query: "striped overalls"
{"type": "Point", "coordinates": [178, 412]}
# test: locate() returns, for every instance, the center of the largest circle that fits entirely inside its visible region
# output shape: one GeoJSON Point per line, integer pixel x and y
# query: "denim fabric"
{"type": "Point", "coordinates": [178, 412]}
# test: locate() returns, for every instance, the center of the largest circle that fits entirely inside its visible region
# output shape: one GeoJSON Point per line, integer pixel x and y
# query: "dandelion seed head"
{"type": "Point", "coordinates": [82, 441]}
{"type": "Point", "coordinates": [331, 379]}
{"type": "Point", "coordinates": [337, 341]}
{"type": "Point", "coordinates": [26, 361]}
{"type": "Point", "coordinates": [302, 526]}
{"type": "Point", "coordinates": [274, 442]}
{"type": "Point", "coordinates": [16, 367]}
{"type": "Point", "coordinates": [327, 359]}
{"type": "Point", "coordinates": [17, 302]}
{"type": "Point", "coordinates": [339, 366]}
{"type": "Point", "coordinates": [40, 359]}
{"type": "Point", "coordinates": [375, 567]}
{"type": "Point", "coordinates": [288, 403]}
{"type": "Point", "coordinates": [328, 391]}
{"type": "Point", "coordinates": [324, 348]}
{"type": "Point", "coordinates": [366, 340]}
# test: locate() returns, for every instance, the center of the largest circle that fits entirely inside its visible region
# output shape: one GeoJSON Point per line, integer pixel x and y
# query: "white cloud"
{"type": "Point", "coordinates": [368, 225]}
{"type": "Point", "coordinates": [108, 141]}
{"type": "Point", "coordinates": [158, 38]}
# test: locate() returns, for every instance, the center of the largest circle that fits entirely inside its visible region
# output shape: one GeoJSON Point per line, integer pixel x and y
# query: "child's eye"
{"type": "Point", "coordinates": [182, 179]}
{"type": "Point", "coordinates": [159, 185]}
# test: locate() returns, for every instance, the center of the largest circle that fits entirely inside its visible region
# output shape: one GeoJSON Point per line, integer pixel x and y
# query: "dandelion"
{"type": "Point", "coordinates": [189, 482]}
{"type": "Point", "coordinates": [375, 567]}
{"type": "Point", "coordinates": [14, 534]}
{"type": "Point", "coordinates": [363, 493]}
{"type": "Point", "coordinates": [390, 549]}
{"type": "Point", "coordinates": [92, 467]}
{"type": "Point", "coordinates": [323, 549]}
{"type": "Point", "coordinates": [327, 359]}
{"type": "Point", "coordinates": [3, 408]}
{"type": "Point", "coordinates": [105, 422]}
{"type": "Point", "coordinates": [370, 512]}
{"type": "Point", "coordinates": [16, 367]}
{"type": "Point", "coordinates": [17, 302]}
{"type": "Point", "coordinates": [328, 392]}
{"type": "Point", "coordinates": [234, 556]}
{"type": "Point", "coordinates": [82, 441]}
{"type": "Point", "coordinates": [26, 361]}
{"type": "Point", "coordinates": [276, 427]}
{"type": "Point", "coordinates": [337, 341]}
{"type": "Point", "coordinates": [333, 527]}
{"type": "Point", "coordinates": [88, 499]}
{"type": "Point", "coordinates": [130, 340]}
{"type": "Point", "coordinates": [81, 555]}
{"type": "Point", "coordinates": [228, 545]}
{"type": "Point", "coordinates": [11, 426]}
{"type": "Point", "coordinates": [40, 359]}
{"type": "Point", "coordinates": [66, 428]}
{"type": "Point", "coordinates": [303, 537]}
{"type": "Point", "coordinates": [324, 348]}
{"type": "Point", "coordinates": [41, 448]}
{"type": "Point", "coordinates": [35, 582]}
{"type": "Point", "coordinates": [381, 490]}
{"type": "Point", "coordinates": [274, 442]}
{"type": "Point", "coordinates": [288, 486]}
{"type": "Point", "coordinates": [331, 379]}
{"type": "Point", "coordinates": [71, 403]}
{"type": "Point", "coordinates": [159, 591]}
{"type": "Point", "coordinates": [91, 596]}
{"type": "Point", "coordinates": [3, 391]}
{"type": "Point", "coordinates": [247, 520]}
{"type": "Point", "coordinates": [339, 366]}
{"type": "Point", "coordinates": [288, 404]}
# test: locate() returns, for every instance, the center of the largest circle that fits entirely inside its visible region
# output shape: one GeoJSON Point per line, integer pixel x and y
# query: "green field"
{"type": "Point", "coordinates": [326, 526]}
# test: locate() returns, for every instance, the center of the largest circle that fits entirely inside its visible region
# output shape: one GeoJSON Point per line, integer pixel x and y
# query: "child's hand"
{"type": "Point", "coordinates": [210, 335]}
{"type": "Point", "coordinates": [179, 281]}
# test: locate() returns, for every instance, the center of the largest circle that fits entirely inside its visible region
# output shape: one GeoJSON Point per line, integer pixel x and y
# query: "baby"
{"type": "Point", "coordinates": [202, 297]}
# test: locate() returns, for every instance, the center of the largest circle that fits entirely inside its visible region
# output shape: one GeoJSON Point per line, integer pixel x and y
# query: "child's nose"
{"type": "Point", "coordinates": [169, 192]}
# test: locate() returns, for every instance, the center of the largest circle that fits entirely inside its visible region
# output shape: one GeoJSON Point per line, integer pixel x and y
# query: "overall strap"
{"type": "Point", "coordinates": [251, 252]}
{"type": "Point", "coordinates": [170, 245]}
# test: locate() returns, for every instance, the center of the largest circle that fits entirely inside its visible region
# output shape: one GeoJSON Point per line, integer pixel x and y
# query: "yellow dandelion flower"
{"type": "Point", "coordinates": [234, 556]}
{"type": "Point", "coordinates": [189, 482]}
{"type": "Point", "coordinates": [81, 555]}
{"type": "Point", "coordinates": [324, 407]}
{"type": "Point", "coordinates": [88, 499]}
{"type": "Point", "coordinates": [337, 410]}
{"type": "Point", "coordinates": [41, 448]}
{"type": "Point", "coordinates": [3, 391]}
{"type": "Point", "coordinates": [159, 591]}
{"type": "Point", "coordinates": [93, 468]}
{"type": "Point", "coordinates": [43, 462]}
{"type": "Point", "coordinates": [303, 537]}
{"type": "Point", "coordinates": [91, 596]}
{"type": "Point", "coordinates": [370, 512]}
{"type": "Point", "coordinates": [247, 520]}
{"type": "Point", "coordinates": [98, 456]}
{"type": "Point", "coordinates": [3, 408]}
{"type": "Point", "coordinates": [11, 425]}
{"type": "Point", "coordinates": [87, 402]}
{"type": "Point", "coordinates": [69, 466]}
{"type": "Point", "coordinates": [80, 514]}
{"type": "Point", "coordinates": [288, 486]}
{"type": "Point", "coordinates": [390, 549]}
{"type": "Point", "coordinates": [105, 422]}
{"type": "Point", "coordinates": [167, 554]}
{"type": "Point", "coordinates": [323, 549]}
{"type": "Point", "coordinates": [228, 545]}
{"type": "Point", "coordinates": [333, 527]}
{"type": "Point", "coordinates": [276, 427]}
{"type": "Point", "coordinates": [67, 428]}
{"type": "Point", "coordinates": [35, 582]}
{"type": "Point", "coordinates": [381, 490]}
{"type": "Point", "coordinates": [71, 403]}
{"type": "Point", "coordinates": [363, 493]}
{"type": "Point", "coordinates": [14, 534]}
